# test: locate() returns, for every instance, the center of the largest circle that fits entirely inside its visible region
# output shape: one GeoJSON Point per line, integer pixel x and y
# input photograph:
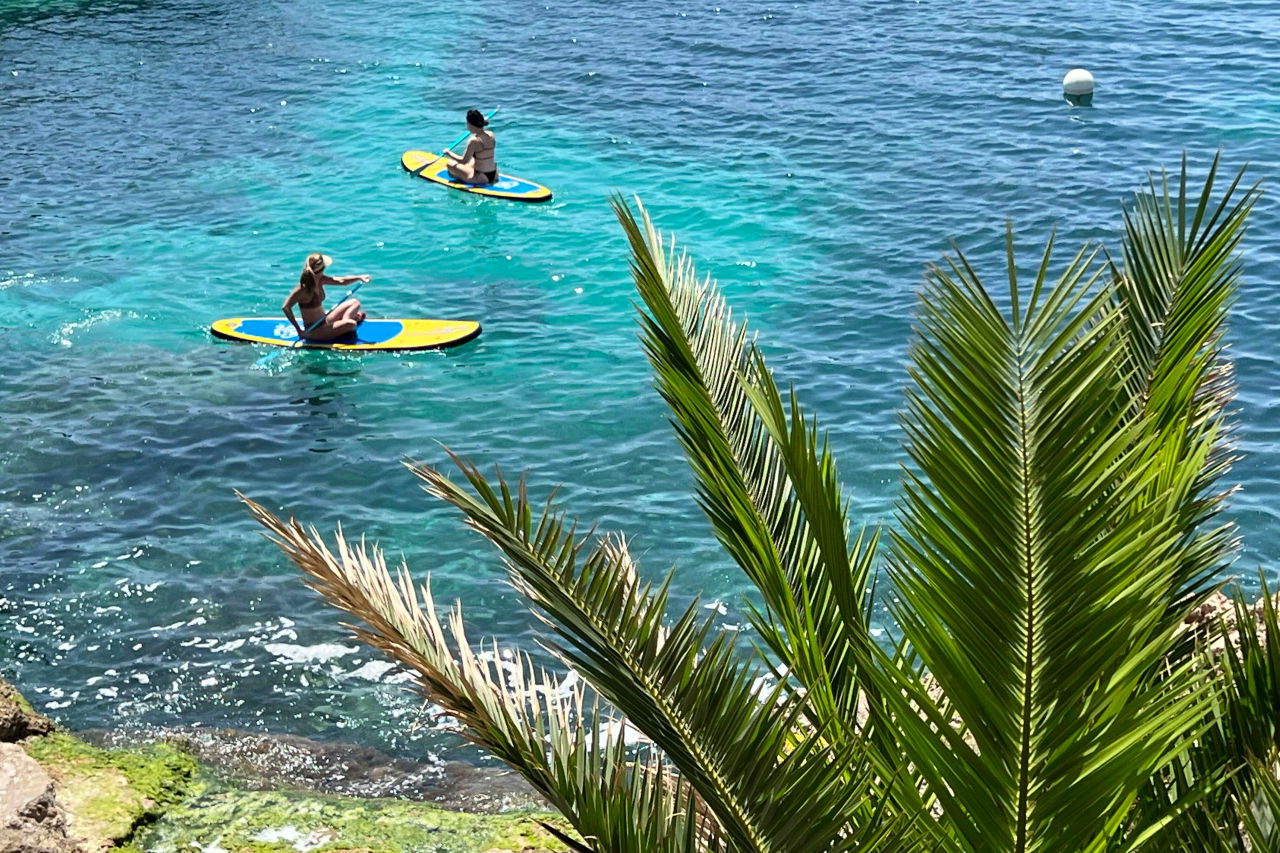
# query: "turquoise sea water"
{"type": "Point", "coordinates": [169, 163]}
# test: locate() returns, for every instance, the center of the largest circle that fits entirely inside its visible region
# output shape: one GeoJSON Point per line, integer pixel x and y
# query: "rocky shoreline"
{"type": "Point", "coordinates": [197, 791]}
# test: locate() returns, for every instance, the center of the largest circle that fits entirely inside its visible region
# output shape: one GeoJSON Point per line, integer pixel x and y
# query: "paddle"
{"type": "Point", "coordinates": [458, 141]}
{"type": "Point", "coordinates": [271, 356]}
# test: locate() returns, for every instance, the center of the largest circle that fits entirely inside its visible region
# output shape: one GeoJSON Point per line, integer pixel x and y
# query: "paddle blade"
{"type": "Point", "coordinates": [265, 361]}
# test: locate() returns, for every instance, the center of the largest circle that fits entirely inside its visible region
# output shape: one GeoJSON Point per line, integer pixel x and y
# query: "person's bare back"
{"type": "Point", "coordinates": [478, 163]}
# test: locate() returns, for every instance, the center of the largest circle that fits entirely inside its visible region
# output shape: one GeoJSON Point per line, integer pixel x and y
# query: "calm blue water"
{"type": "Point", "coordinates": [169, 163]}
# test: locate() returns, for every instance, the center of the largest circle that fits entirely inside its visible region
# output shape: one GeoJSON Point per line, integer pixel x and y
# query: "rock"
{"type": "Point", "coordinates": [1220, 609]}
{"type": "Point", "coordinates": [30, 819]}
{"type": "Point", "coordinates": [234, 819]}
{"type": "Point", "coordinates": [18, 719]}
{"type": "Point", "coordinates": [265, 761]}
{"type": "Point", "coordinates": [106, 794]}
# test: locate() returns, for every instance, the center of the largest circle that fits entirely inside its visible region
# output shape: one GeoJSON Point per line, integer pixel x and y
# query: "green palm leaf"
{"type": "Point", "coordinates": [769, 776]}
{"type": "Point", "coordinates": [1260, 815]}
{"type": "Point", "coordinates": [771, 493]}
{"type": "Point", "coordinates": [619, 803]}
{"type": "Point", "coordinates": [1180, 274]}
{"type": "Point", "coordinates": [1031, 586]}
{"type": "Point", "coordinates": [1251, 666]}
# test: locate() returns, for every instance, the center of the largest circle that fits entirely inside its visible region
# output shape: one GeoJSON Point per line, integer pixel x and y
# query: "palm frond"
{"type": "Point", "coordinates": [617, 802]}
{"type": "Point", "coordinates": [1207, 791]}
{"type": "Point", "coordinates": [1259, 816]}
{"type": "Point", "coordinates": [1250, 664]}
{"type": "Point", "coordinates": [1031, 589]}
{"type": "Point", "coordinates": [748, 754]}
{"type": "Point", "coordinates": [1180, 275]}
{"type": "Point", "coordinates": [770, 491]}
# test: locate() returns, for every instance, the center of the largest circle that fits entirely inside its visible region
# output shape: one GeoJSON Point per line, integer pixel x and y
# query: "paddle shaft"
{"type": "Point", "coordinates": [303, 337]}
{"type": "Point", "coordinates": [458, 141]}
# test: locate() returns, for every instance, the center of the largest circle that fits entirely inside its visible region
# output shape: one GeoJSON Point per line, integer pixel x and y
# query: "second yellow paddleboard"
{"type": "Point", "coordinates": [507, 186]}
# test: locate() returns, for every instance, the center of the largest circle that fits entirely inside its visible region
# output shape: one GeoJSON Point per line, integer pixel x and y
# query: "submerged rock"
{"type": "Point", "coordinates": [264, 761]}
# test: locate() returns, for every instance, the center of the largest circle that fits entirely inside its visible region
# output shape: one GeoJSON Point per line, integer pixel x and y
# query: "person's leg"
{"type": "Point", "coordinates": [332, 328]}
{"type": "Point", "coordinates": [349, 310]}
{"type": "Point", "coordinates": [464, 172]}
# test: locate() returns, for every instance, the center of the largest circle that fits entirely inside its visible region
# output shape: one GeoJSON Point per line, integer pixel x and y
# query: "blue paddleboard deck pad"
{"type": "Point", "coordinates": [371, 335]}
{"type": "Point", "coordinates": [507, 186]}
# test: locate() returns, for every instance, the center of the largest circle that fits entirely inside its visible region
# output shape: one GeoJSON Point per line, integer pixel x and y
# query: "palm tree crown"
{"type": "Point", "coordinates": [1058, 521]}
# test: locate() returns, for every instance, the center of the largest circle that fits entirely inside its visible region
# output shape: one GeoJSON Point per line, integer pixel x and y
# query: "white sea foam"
{"type": "Point", "coordinates": [62, 337]}
{"type": "Point", "coordinates": [373, 670]}
{"type": "Point", "coordinates": [319, 653]}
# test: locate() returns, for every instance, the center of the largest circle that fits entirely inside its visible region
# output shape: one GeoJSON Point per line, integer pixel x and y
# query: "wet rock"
{"type": "Point", "coordinates": [30, 819]}
{"type": "Point", "coordinates": [265, 761]}
{"type": "Point", "coordinates": [18, 719]}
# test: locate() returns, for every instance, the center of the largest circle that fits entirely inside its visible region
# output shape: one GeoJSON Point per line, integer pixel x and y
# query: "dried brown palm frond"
{"type": "Point", "coordinates": [617, 799]}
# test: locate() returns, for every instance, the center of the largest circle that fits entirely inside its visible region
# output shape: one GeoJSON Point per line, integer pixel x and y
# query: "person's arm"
{"type": "Point", "coordinates": [467, 153]}
{"type": "Point", "coordinates": [288, 310]}
{"type": "Point", "coordinates": [344, 279]}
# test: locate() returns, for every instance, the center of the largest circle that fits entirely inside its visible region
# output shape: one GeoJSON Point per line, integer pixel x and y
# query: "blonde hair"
{"type": "Point", "coordinates": [310, 270]}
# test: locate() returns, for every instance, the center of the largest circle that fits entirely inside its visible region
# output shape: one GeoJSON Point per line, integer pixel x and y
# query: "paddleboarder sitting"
{"type": "Point", "coordinates": [476, 164]}
{"type": "Point", "coordinates": [309, 297]}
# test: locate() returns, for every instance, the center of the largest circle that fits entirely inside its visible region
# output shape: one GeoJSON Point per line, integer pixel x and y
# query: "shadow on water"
{"type": "Point", "coordinates": [320, 377]}
{"type": "Point", "coordinates": [26, 12]}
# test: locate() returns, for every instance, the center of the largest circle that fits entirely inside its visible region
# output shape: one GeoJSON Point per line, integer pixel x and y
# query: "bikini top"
{"type": "Point", "coordinates": [316, 301]}
{"type": "Point", "coordinates": [483, 154]}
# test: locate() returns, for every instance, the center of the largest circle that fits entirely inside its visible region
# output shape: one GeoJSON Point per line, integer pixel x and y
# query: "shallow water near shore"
{"type": "Point", "coordinates": [170, 163]}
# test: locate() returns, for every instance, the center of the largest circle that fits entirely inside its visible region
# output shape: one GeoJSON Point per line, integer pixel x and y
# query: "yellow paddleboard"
{"type": "Point", "coordinates": [507, 186]}
{"type": "Point", "coordinates": [370, 335]}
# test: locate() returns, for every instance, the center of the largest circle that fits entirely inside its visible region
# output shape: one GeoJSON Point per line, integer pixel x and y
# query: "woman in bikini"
{"type": "Point", "coordinates": [309, 297]}
{"type": "Point", "coordinates": [476, 165]}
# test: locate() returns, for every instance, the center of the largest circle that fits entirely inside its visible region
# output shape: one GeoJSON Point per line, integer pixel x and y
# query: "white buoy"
{"type": "Point", "coordinates": [1077, 87]}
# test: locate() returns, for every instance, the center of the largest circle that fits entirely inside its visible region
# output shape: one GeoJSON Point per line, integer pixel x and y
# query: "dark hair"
{"type": "Point", "coordinates": [475, 118]}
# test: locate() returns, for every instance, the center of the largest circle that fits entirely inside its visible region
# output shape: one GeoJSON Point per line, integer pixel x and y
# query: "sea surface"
{"type": "Point", "coordinates": [169, 163]}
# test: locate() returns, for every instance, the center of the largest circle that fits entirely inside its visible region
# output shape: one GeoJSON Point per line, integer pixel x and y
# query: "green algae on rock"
{"type": "Point", "coordinates": [108, 794]}
{"type": "Point", "coordinates": [159, 799]}
{"type": "Point", "coordinates": [241, 821]}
